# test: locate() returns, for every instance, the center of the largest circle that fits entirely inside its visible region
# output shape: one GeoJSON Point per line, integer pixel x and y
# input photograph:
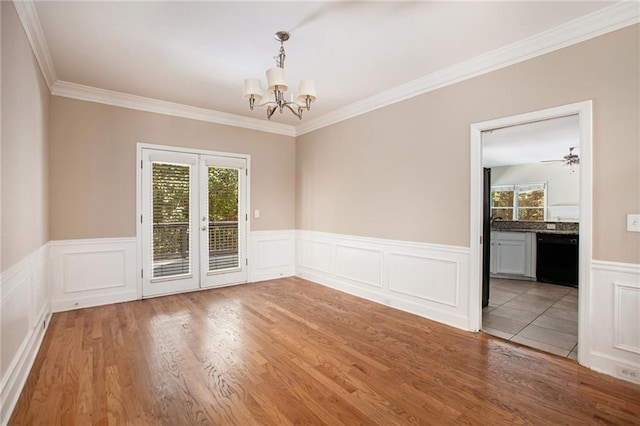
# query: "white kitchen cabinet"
{"type": "Point", "coordinates": [513, 254]}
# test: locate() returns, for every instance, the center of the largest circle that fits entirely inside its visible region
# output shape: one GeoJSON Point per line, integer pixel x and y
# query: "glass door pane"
{"type": "Point", "coordinates": [171, 221]}
{"type": "Point", "coordinates": [223, 218]}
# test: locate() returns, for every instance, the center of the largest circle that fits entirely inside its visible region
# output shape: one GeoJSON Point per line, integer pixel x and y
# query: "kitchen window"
{"type": "Point", "coordinates": [519, 202]}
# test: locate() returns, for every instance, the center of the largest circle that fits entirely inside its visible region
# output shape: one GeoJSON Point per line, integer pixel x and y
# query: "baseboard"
{"type": "Point", "coordinates": [612, 366]}
{"type": "Point", "coordinates": [429, 280]}
{"type": "Point", "coordinates": [79, 302]}
{"type": "Point", "coordinates": [26, 307]}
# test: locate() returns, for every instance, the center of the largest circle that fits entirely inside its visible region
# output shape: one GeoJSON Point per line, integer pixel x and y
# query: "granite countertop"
{"type": "Point", "coordinates": [561, 228]}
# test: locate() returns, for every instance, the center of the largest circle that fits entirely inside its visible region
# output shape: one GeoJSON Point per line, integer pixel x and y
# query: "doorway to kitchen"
{"type": "Point", "coordinates": [193, 220]}
{"type": "Point", "coordinates": [520, 305]}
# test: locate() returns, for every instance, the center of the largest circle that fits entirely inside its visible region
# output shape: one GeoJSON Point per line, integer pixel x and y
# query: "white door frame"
{"type": "Point", "coordinates": [139, 211]}
{"type": "Point", "coordinates": [584, 112]}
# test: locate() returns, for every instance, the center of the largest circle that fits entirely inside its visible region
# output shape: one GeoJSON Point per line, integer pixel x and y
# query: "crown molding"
{"type": "Point", "coordinates": [614, 17]}
{"type": "Point", "coordinates": [141, 103]}
{"type": "Point", "coordinates": [31, 24]}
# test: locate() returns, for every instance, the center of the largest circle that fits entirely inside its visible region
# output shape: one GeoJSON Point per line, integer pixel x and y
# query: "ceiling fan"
{"type": "Point", "coordinates": [570, 159]}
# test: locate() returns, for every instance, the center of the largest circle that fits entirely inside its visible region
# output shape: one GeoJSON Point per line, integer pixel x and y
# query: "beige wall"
{"type": "Point", "coordinates": [402, 172]}
{"type": "Point", "coordinates": [25, 112]}
{"type": "Point", "coordinates": [93, 166]}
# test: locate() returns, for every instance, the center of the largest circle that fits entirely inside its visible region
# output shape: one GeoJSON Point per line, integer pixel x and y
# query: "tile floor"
{"type": "Point", "coordinates": [542, 316]}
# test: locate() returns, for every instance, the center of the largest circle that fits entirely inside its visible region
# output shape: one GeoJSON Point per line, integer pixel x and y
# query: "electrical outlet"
{"type": "Point", "coordinates": [628, 373]}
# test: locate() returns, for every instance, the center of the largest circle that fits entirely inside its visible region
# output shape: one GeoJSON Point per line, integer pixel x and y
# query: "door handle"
{"type": "Point", "coordinates": [204, 228]}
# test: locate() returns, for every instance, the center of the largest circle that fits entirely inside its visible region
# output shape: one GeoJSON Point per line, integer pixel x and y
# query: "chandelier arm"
{"type": "Point", "coordinates": [296, 113]}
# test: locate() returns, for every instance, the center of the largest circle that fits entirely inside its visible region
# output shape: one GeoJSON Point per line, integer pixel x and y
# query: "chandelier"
{"type": "Point", "coordinates": [274, 100]}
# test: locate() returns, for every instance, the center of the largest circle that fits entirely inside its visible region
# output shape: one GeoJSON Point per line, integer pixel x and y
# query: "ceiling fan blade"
{"type": "Point", "coordinates": [324, 10]}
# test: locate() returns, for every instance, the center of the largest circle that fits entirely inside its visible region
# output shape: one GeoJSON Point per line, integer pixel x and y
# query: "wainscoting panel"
{"type": "Point", "coordinates": [271, 254]}
{"type": "Point", "coordinates": [92, 272]}
{"type": "Point", "coordinates": [25, 312]}
{"type": "Point", "coordinates": [626, 311]}
{"type": "Point", "coordinates": [425, 279]}
{"type": "Point", "coordinates": [614, 326]}
{"type": "Point", "coordinates": [359, 264]}
{"type": "Point", "coordinates": [314, 255]}
{"type": "Point", "coordinates": [411, 274]}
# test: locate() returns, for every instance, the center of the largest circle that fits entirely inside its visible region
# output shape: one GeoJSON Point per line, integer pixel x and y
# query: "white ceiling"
{"type": "Point", "coordinates": [198, 53]}
{"type": "Point", "coordinates": [547, 140]}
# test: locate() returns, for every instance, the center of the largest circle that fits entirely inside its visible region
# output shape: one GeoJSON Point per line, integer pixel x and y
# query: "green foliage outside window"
{"type": "Point", "coordinates": [223, 194]}
{"type": "Point", "coordinates": [531, 205]}
{"type": "Point", "coordinates": [528, 204]}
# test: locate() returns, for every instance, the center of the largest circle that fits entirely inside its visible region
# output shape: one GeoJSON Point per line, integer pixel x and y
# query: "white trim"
{"type": "Point", "coordinates": [89, 242]}
{"type": "Point", "coordinates": [421, 278]}
{"type": "Point", "coordinates": [584, 111]}
{"type": "Point", "coordinates": [28, 275]}
{"type": "Point", "coordinates": [614, 17]}
{"type": "Point", "coordinates": [620, 267]}
{"type": "Point", "coordinates": [141, 103]}
{"type": "Point", "coordinates": [31, 24]}
{"type": "Point", "coordinates": [380, 241]}
{"type": "Point", "coordinates": [619, 15]}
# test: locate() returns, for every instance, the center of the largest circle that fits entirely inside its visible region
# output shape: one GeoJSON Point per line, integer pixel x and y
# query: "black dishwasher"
{"type": "Point", "coordinates": [557, 259]}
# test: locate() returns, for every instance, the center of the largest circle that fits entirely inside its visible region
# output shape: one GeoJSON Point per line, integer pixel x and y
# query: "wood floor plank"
{"type": "Point", "coordinates": [289, 351]}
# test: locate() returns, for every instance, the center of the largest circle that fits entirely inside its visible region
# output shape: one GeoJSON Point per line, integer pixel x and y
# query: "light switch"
{"type": "Point", "coordinates": [633, 222]}
{"type": "Point", "coordinates": [256, 213]}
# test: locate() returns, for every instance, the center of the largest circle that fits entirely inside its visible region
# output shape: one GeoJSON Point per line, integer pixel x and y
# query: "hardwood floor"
{"type": "Point", "coordinates": [289, 351]}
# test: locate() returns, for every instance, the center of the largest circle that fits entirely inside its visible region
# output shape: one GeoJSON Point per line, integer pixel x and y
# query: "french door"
{"type": "Point", "coordinates": [193, 221]}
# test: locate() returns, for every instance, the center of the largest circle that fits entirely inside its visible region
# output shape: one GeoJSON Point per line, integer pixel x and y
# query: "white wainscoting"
{"type": "Point", "coordinates": [425, 279]}
{"type": "Point", "coordinates": [26, 309]}
{"type": "Point", "coordinates": [614, 323]}
{"type": "Point", "coordinates": [271, 254]}
{"type": "Point", "coordinates": [92, 272]}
